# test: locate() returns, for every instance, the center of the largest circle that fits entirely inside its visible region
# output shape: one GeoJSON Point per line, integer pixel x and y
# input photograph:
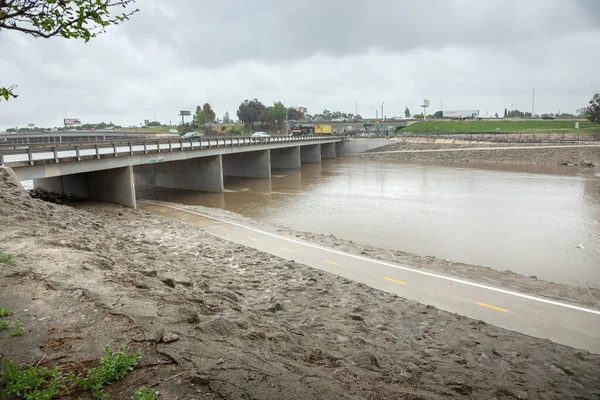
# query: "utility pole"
{"type": "Point", "coordinates": [355, 108]}
{"type": "Point", "coordinates": [382, 110]}
{"type": "Point", "coordinates": [533, 103]}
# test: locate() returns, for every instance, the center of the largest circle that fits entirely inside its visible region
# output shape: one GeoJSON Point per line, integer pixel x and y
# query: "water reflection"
{"type": "Point", "coordinates": [528, 219]}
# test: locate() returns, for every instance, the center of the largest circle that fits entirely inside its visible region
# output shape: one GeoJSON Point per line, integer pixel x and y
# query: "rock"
{"type": "Point", "coordinates": [77, 293]}
{"type": "Point", "coordinates": [461, 388]}
{"type": "Point", "coordinates": [356, 317]}
{"type": "Point", "coordinates": [170, 282]}
{"type": "Point", "coordinates": [141, 285]}
{"type": "Point", "coordinates": [200, 379]}
{"type": "Point", "coordinates": [274, 307]}
{"type": "Point", "coordinates": [366, 360]}
{"type": "Point", "coordinates": [170, 337]}
{"type": "Point", "coordinates": [150, 272]}
{"type": "Point", "coordinates": [533, 277]}
{"type": "Point", "coordinates": [580, 246]}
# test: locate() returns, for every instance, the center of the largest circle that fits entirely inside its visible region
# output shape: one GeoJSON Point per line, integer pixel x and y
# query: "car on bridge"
{"type": "Point", "coordinates": [191, 135]}
{"type": "Point", "coordinates": [260, 136]}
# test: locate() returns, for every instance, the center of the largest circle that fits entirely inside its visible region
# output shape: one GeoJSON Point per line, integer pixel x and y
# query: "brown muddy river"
{"type": "Point", "coordinates": [542, 221]}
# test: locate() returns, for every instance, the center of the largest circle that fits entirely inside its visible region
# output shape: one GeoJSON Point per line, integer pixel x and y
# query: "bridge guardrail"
{"type": "Point", "coordinates": [43, 152]}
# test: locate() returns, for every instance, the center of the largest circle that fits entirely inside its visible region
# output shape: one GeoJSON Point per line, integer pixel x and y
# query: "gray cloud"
{"type": "Point", "coordinates": [321, 54]}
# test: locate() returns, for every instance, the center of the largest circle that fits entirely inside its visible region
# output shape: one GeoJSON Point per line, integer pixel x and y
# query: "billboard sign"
{"type": "Point", "coordinates": [183, 112]}
{"type": "Point", "coordinates": [425, 103]}
{"type": "Point", "coordinates": [72, 121]}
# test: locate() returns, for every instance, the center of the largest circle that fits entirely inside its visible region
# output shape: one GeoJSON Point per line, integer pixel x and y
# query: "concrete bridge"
{"type": "Point", "coordinates": [109, 171]}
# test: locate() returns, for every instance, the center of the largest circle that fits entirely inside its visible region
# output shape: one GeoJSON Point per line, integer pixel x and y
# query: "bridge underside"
{"type": "Point", "coordinates": [204, 173]}
{"type": "Point", "coordinates": [112, 185]}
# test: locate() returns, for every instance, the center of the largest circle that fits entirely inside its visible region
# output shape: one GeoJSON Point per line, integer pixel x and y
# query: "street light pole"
{"type": "Point", "coordinates": [355, 108]}
{"type": "Point", "coordinates": [382, 118]}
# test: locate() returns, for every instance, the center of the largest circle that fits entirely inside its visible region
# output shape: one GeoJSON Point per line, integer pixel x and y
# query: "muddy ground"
{"type": "Point", "coordinates": [572, 156]}
{"type": "Point", "coordinates": [218, 320]}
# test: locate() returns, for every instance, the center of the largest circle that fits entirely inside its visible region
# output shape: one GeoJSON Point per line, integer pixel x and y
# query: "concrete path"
{"type": "Point", "coordinates": [562, 323]}
{"type": "Point", "coordinates": [486, 148]}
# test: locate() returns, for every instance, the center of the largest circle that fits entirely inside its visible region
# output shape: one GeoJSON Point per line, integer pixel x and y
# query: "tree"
{"type": "Point", "coordinates": [226, 118]}
{"type": "Point", "coordinates": [505, 113]}
{"type": "Point", "coordinates": [209, 114]}
{"type": "Point", "coordinates": [592, 112]}
{"type": "Point", "coordinates": [250, 111]}
{"type": "Point", "coordinates": [407, 112]}
{"type": "Point", "coordinates": [581, 112]}
{"type": "Point", "coordinates": [278, 113]}
{"type": "Point", "coordinates": [73, 19]}
{"type": "Point", "coordinates": [418, 116]}
{"type": "Point", "coordinates": [294, 114]}
{"type": "Point", "coordinates": [199, 117]}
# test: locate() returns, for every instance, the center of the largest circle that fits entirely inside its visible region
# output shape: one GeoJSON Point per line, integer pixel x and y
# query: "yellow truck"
{"type": "Point", "coordinates": [323, 130]}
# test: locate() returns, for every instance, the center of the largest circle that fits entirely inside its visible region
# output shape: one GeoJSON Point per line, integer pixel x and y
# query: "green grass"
{"type": "Point", "coordinates": [17, 328]}
{"type": "Point", "coordinates": [145, 394]}
{"type": "Point", "coordinates": [112, 367]}
{"type": "Point", "coordinates": [40, 383]}
{"type": "Point", "coordinates": [6, 312]}
{"type": "Point", "coordinates": [4, 325]}
{"type": "Point", "coordinates": [534, 126]}
{"type": "Point", "coordinates": [5, 257]}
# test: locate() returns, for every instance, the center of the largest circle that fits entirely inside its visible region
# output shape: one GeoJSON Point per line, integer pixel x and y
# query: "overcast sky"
{"type": "Point", "coordinates": [320, 54]}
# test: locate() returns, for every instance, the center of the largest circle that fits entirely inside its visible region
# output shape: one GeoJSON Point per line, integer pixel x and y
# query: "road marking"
{"type": "Point", "coordinates": [223, 229]}
{"type": "Point", "coordinates": [394, 280]}
{"type": "Point", "coordinates": [162, 210]}
{"type": "Point", "coordinates": [491, 306]}
{"type": "Point", "coordinates": [387, 264]}
{"type": "Point", "coordinates": [288, 250]}
{"type": "Point", "coordinates": [331, 262]}
{"type": "Point", "coordinates": [251, 238]}
{"type": "Point", "coordinates": [202, 222]}
{"type": "Point", "coordinates": [181, 215]}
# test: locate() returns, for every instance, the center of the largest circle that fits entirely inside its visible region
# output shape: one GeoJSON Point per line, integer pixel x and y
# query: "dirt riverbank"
{"type": "Point", "coordinates": [546, 155]}
{"type": "Point", "coordinates": [218, 320]}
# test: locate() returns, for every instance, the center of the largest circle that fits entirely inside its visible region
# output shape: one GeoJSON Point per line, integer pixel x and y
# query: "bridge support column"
{"type": "Point", "coordinates": [310, 153]}
{"type": "Point", "coordinates": [203, 174]}
{"type": "Point", "coordinates": [253, 164]}
{"type": "Point", "coordinates": [111, 185]}
{"type": "Point", "coordinates": [328, 151]}
{"type": "Point", "coordinates": [286, 158]}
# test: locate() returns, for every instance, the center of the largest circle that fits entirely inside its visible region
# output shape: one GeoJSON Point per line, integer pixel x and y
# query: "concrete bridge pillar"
{"type": "Point", "coordinates": [252, 164]}
{"type": "Point", "coordinates": [111, 185]}
{"type": "Point", "coordinates": [310, 153]}
{"type": "Point", "coordinates": [286, 158]}
{"type": "Point", "coordinates": [328, 150]}
{"type": "Point", "coordinates": [203, 174]}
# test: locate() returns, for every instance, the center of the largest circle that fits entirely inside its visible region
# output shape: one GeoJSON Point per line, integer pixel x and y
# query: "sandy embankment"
{"type": "Point", "coordinates": [218, 320]}
{"type": "Point", "coordinates": [549, 155]}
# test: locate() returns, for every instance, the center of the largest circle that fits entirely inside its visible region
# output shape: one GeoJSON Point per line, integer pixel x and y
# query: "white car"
{"type": "Point", "coordinates": [172, 130]}
{"type": "Point", "coordinates": [260, 136]}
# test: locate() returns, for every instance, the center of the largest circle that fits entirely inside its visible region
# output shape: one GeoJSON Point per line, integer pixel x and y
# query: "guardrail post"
{"type": "Point", "coordinates": [55, 152]}
{"type": "Point", "coordinates": [145, 148]}
{"type": "Point", "coordinates": [170, 147]}
{"type": "Point", "coordinates": [115, 149]}
{"type": "Point", "coordinates": [97, 151]}
{"type": "Point", "coordinates": [77, 153]}
{"type": "Point", "coordinates": [157, 146]}
{"type": "Point", "coordinates": [180, 145]}
{"type": "Point", "coordinates": [130, 149]}
{"type": "Point", "coordinates": [1, 159]}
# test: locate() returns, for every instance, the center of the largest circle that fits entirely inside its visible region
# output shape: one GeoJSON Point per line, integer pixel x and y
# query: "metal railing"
{"type": "Point", "coordinates": [116, 148]}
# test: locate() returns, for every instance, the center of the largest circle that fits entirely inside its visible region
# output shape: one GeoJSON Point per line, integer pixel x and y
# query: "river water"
{"type": "Point", "coordinates": [542, 221]}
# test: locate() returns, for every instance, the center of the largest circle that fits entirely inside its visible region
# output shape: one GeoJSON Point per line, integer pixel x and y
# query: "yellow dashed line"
{"type": "Point", "coordinates": [162, 210]}
{"type": "Point", "coordinates": [331, 262]}
{"type": "Point", "coordinates": [288, 250]}
{"type": "Point", "coordinates": [492, 307]}
{"type": "Point", "coordinates": [224, 229]}
{"type": "Point", "coordinates": [202, 222]}
{"type": "Point", "coordinates": [251, 238]}
{"type": "Point", "coordinates": [394, 280]}
{"type": "Point", "coordinates": [181, 215]}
